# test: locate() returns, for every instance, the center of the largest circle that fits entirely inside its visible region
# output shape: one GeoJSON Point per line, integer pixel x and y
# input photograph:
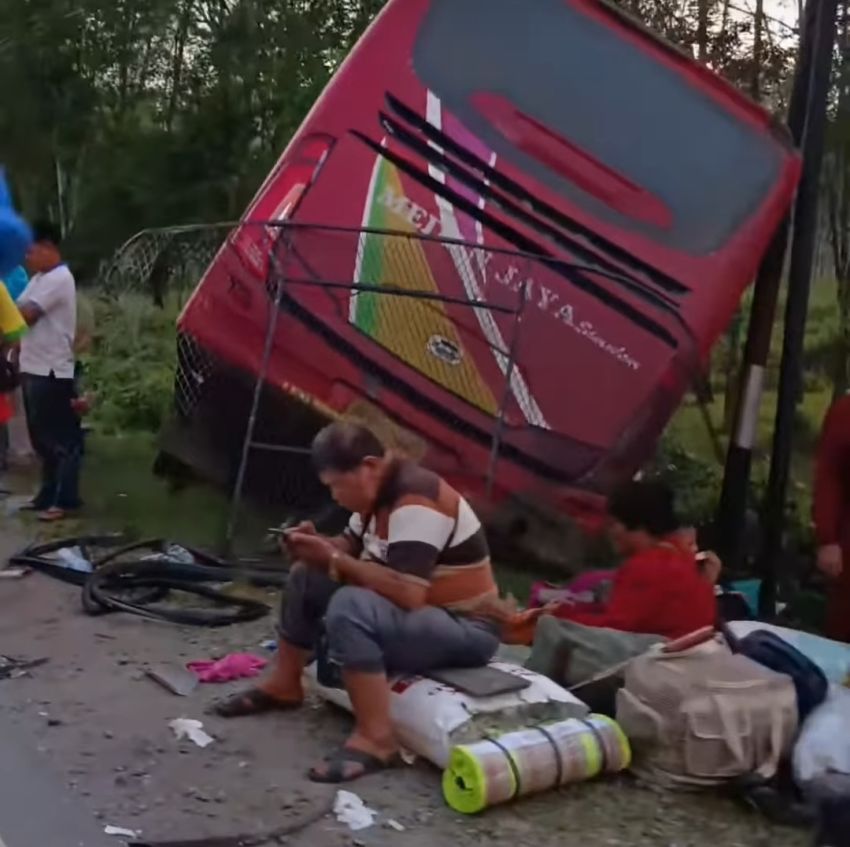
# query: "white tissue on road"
{"type": "Point", "coordinates": [353, 812]}
{"type": "Point", "coordinates": [191, 729]}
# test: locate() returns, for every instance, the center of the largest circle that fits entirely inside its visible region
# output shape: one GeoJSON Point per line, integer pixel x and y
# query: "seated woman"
{"type": "Point", "coordinates": [661, 588]}
{"type": "Point", "coordinates": [408, 587]}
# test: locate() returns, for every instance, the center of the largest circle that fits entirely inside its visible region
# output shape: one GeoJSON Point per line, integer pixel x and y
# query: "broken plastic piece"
{"type": "Point", "coordinates": [72, 558]}
{"type": "Point", "coordinates": [118, 830]}
{"type": "Point", "coordinates": [191, 729]}
{"type": "Point", "coordinates": [176, 679]}
{"type": "Point", "coordinates": [11, 668]}
{"type": "Point", "coordinates": [14, 573]}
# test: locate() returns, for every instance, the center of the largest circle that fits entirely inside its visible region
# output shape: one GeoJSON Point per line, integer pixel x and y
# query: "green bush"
{"type": "Point", "coordinates": [695, 481]}
{"type": "Point", "coordinates": [131, 367]}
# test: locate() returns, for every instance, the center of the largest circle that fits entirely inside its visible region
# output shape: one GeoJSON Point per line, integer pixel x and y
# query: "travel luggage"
{"type": "Point", "coordinates": [770, 650]}
{"type": "Point", "coordinates": [701, 715]}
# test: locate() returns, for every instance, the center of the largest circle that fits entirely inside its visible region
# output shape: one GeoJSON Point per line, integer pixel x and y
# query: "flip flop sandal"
{"type": "Point", "coordinates": [51, 515]}
{"type": "Point", "coordinates": [255, 701]}
{"type": "Point", "coordinates": [337, 770]}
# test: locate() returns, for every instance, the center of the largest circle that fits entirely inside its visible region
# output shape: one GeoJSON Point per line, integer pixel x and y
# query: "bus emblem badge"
{"type": "Point", "coordinates": [444, 350]}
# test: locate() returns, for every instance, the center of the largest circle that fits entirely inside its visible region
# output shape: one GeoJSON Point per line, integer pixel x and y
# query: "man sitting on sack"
{"type": "Point", "coordinates": [407, 588]}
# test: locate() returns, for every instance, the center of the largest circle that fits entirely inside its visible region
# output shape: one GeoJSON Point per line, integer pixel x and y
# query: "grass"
{"type": "Point", "coordinates": [688, 427]}
{"type": "Point", "coordinates": [123, 494]}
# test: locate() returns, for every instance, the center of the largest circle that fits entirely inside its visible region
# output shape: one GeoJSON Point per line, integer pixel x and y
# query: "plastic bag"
{"type": "Point", "coordinates": [832, 657]}
{"type": "Point", "coordinates": [823, 747]}
{"type": "Point", "coordinates": [431, 718]}
{"type": "Point", "coordinates": [15, 234]}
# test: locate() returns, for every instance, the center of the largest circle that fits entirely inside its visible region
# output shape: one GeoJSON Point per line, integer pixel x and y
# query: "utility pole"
{"type": "Point", "coordinates": [803, 247]}
{"type": "Point", "coordinates": [732, 510]}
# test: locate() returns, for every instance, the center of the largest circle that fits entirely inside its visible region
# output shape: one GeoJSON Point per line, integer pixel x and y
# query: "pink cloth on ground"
{"type": "Point", "coordinates": [234, 666]}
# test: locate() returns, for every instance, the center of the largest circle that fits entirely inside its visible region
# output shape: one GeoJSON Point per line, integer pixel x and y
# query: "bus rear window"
{"type": "Point", "coordinates": [678, 167]}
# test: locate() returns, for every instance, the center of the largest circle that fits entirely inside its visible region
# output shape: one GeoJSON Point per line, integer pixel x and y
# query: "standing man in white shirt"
{"type": "Point", "coordinates": [49, 306]}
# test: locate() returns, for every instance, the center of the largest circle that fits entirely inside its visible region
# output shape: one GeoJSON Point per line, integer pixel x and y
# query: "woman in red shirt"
{"type": "Point", "coordinates": [659, 589]}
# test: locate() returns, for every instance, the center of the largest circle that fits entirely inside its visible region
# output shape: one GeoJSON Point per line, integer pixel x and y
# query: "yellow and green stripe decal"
{"type": "Point", "coordinates": [406, 326]}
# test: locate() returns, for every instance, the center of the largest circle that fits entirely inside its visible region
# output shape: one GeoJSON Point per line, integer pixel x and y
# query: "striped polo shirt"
{"type": "Point", "coordinates": [428, 533]}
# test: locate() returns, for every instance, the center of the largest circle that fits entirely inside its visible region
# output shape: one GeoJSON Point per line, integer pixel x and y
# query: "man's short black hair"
{"type": "Point", "coordinates": [46, 232]}
{"type": "Point", "coordinates": [645, 505]}
{"type": "Point", "coordinates": [342, 447]}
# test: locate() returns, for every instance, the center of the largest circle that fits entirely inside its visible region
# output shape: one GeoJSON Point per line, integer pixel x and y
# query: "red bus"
{"type": "Point", "coordinates": [484, 150]}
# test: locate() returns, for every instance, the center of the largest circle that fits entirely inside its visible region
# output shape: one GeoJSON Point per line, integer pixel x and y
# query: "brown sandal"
{"type": "Point", "coordinates": [254, 701]}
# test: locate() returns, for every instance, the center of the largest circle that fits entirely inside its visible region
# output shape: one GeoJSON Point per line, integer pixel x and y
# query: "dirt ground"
{"type": "Point", "coordinates": [103, 726]}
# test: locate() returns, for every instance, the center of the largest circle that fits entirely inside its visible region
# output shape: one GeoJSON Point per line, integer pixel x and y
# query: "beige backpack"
{"type": "Point", "coordinates": [704, 715]}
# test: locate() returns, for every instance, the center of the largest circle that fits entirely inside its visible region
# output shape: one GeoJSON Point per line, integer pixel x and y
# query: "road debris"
{"type": "Point", "coordinates": [73, 559]}
{"type": "Point", "coordinates": [11, 668]}
{"type": "Point", "coordinates": [229, 668]}
{"type": "Point", "coordinates": [15, 573]}
{"type": "Point", "coordinates": [191, 729]}
{"type": "Point", "coordinates": [353, 812]}
{"type": "Point", "coordinates": [176, 679]}
{"type": "Point", "coordinates": [279, 834]}
{"type": "Point", "coordinates": [120, 831]}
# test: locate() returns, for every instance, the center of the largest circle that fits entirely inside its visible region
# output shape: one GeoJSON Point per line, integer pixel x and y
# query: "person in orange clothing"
{"type": "Point", "coordinates": [831, 512]}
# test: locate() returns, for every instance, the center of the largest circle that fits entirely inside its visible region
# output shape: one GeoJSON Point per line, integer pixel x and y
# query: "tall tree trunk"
{"type": "Point", "coordinates": [181, 35]}
{"type": "Point", "coordinates": [758, 51]}
{"type": "Point", "coordinates": [702, 30]}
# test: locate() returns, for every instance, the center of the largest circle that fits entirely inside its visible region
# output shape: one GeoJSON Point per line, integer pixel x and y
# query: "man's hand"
{"type": "Point", "coordinates": [305, 528]}
{"type": "Point", "coordinates": [831, 560]}
{"type": "Point", "coordinates": [82, 405]}
{"type": "Point", "coordinates": [497, 609]}
{"type": "Point", "coordinates": [311, 549]}
{"type": "Point", "coordinates": [710, 566]}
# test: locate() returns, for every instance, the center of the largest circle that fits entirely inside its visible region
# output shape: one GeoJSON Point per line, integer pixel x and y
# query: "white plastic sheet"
{"type": "Point", "coordinates": [823, 747]}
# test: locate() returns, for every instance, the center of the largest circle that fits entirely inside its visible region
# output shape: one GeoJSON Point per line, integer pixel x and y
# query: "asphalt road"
{"type": "Point", "coordinates": [36, 810]}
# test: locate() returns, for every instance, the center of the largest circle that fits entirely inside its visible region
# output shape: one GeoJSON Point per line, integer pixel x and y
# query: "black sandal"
{"type": "Point", "coordinates": [254, 701]}
{"type": "Point", "coordinates": [336, 772]}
